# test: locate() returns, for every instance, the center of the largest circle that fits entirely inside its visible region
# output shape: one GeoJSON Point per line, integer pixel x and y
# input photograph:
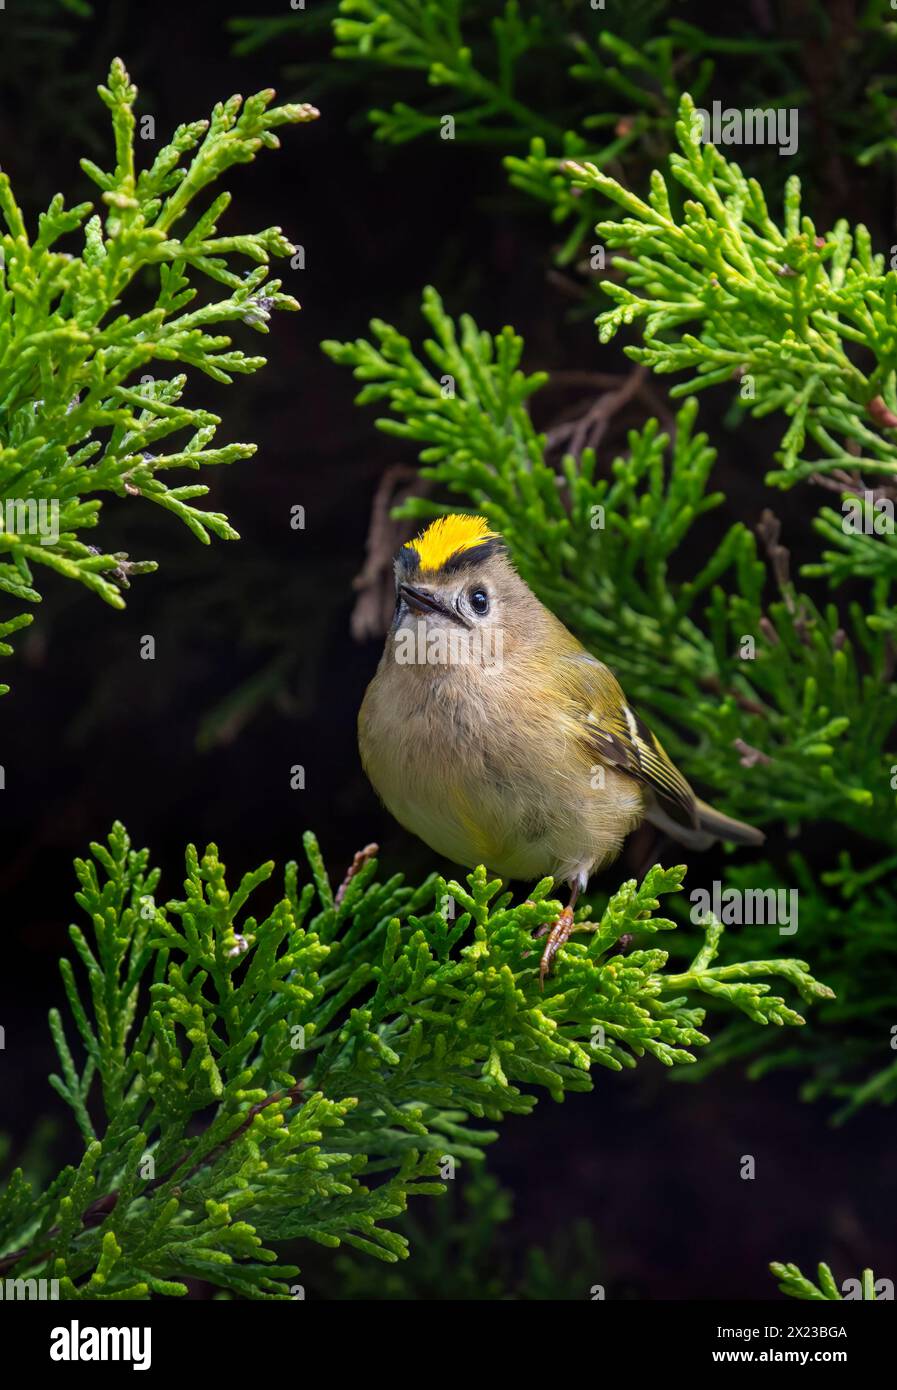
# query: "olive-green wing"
{"type": "Point", "coordinates": [614, 733]}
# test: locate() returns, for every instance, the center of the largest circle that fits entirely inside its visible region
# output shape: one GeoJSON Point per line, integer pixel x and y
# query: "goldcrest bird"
{"type": "Point", "coordinates": [491, 733]}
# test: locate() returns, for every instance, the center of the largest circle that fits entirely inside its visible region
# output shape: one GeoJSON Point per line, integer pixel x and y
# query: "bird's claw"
{"type": "Point", "coordinates": [558, 934]}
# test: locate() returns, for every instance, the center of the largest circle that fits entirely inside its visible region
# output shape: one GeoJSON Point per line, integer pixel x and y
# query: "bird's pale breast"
{"type": "Point", "coordinates": [483, 775]}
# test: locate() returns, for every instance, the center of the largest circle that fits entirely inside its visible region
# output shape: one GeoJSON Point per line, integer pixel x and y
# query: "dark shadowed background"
{"type": "Point", "coordinates": [256, 671]}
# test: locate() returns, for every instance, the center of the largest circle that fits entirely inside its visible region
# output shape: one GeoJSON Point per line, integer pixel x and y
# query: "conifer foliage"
{"type": "Point", "coordinates": [93, 376]}
{"type": "Point", "coordinates": [244, 1076]}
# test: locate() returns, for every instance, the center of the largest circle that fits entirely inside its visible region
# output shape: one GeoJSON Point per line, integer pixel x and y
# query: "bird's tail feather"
{"type": "Point", "coordinates": [726, 828]}
{"type": "Point", "coordinates": [712, 826]}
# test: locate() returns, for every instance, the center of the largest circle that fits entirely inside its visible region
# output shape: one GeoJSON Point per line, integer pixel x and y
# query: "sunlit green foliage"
{"type": "Point", "coordinates": [89, 361]}
{"type": "Point", "coordinates": [242, 1080]}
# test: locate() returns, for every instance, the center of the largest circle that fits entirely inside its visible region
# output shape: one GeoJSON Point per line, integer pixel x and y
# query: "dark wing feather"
{"type": "Point", "coordinates": [616, 735]}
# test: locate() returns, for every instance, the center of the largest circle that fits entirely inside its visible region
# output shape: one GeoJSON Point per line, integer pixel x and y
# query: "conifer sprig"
{"type": "Point", "coordinates": [615, 83]}
{"type": "Point", "coordinates": [722, 291]}
{"type": "Point", "coordinates": [797, 1285]}
{"type": "Point", "coordinates": [82, 409]}
{"type": "Point", "coordinates": [242, 1080]}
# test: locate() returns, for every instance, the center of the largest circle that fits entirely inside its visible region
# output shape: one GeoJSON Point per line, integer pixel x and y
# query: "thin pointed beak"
{"type": "Point", "coordinates": [421, 601]}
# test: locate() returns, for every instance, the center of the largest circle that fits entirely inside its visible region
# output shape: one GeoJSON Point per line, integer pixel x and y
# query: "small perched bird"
{"type": "Point", "coordinates": [491, 733]}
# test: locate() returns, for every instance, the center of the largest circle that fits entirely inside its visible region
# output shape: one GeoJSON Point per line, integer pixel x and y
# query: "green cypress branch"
{"type": "Point", "coordinates": [347, 1047]}
{"type": "Point", "coordinates": [724, 292]}
{"type": "Point", "coordinates": [548, 81]}
{"type": "Point", "coordinates": [74, 419]}
{"type": "Point", "coordinates": [797, 1285]}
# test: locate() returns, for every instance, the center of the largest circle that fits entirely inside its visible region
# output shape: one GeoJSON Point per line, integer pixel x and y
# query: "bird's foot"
{"type": "Point", "coordinates": [558, 934]}
{"type": "Point", "coordinates": [354, 868]}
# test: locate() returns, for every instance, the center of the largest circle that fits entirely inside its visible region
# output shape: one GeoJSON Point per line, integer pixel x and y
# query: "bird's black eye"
{"type": "Point", "coordinates": [479, 601]}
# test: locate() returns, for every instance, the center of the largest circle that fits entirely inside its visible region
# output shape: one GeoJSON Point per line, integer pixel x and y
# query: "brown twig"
{"type": "Point", "coordinates": [769, 528]}
{"type": "Point", "coordinates": [769, 632]}
{"type": "Point", "coordinates": [715, 685]}
{"type": "Point", "coordinates": [567, 285]}
{"type": "Point", "coordinates": [293, 1092]}
{"type": "Point", "coordinates": [880, 413]}
{"type": "Point", "coordinates": [750, 756]}
{"type": "Point", "coordinates": [374, 584]}
{"type": "Point", "coordinates": [840, 481]}
{"type": "Point", "coordinates": [605, 381]}
{"type": "Point", "coordinates": [660, 407]}
{"type": "Point", "coordinates": [589, 428]}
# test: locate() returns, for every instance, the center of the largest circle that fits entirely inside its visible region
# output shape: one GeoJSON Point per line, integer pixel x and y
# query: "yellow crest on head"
{"type": "Point", "coordinates": [449, 536]}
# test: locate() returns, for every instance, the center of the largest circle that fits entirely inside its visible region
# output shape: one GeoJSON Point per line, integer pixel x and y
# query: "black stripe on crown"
{"type": "Point", "coordinates": [408, 560]}
{"type": "Point", "coordinates": [462, 559]}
